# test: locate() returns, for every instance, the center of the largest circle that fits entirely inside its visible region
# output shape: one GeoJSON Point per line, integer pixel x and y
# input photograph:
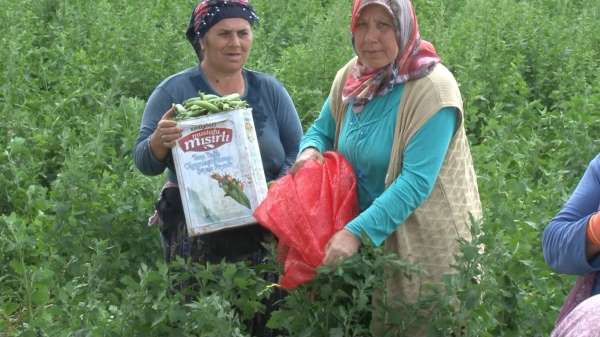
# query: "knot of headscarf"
{"type": "Point", "coordinates": [416, 57]}
{"type": "Point", "coordinates": [209, 12]}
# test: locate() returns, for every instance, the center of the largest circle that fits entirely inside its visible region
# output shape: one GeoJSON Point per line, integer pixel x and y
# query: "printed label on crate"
{"type": "Point", "coordinates": [219, 170]}
{"type": "Point", "coordinates": [206, 139]}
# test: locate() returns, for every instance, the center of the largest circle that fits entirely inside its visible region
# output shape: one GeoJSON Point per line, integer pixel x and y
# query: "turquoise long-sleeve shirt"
{"type": "Point", "coordinates": [366, 141]}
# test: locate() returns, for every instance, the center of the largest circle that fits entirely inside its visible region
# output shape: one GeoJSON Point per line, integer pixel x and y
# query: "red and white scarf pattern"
{"type": "Point", "coordinates": [416, 57]}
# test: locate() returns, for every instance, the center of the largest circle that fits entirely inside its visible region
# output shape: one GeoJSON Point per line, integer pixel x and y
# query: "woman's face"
{"type": "Point", "coordinates": [375, 37]}
{"type": "Point", "coordinates": [226, 45]}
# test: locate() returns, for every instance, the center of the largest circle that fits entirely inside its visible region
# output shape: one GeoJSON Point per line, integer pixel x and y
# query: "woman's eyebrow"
{"type": "Point", "coordinates": [225, 30]}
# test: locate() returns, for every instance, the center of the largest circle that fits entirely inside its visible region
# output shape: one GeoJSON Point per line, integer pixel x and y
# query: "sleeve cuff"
{"type": "Point", "coordinates": [153, 160]}
{"type": "Point", "coordinates": [359, 230]}
{"type": "Point", "coordinates": [594, 263]}
{"type": "Point", "coordinates": [350, 227]}
{"type": "Point", "coordinates": [306, 145]}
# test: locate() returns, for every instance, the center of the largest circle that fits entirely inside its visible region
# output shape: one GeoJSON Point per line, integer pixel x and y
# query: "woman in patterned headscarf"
{"type": "Point", "coordinates": [220, 32]}
{"type": "Point", "coordinates": [395, 112]}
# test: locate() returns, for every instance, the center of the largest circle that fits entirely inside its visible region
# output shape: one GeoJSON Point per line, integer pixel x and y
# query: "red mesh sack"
{"type": "Point", "coordinates": [304, 209]}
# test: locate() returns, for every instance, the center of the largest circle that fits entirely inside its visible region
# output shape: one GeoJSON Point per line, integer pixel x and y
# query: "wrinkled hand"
{"type": "Point", "coordinates": [342, 245]}
{"type": "Point", "coordinates": [165, 136]}
{"type": "Point", "coordinates": [308, 154]}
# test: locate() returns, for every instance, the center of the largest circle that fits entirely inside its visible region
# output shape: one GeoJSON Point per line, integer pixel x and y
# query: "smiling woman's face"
{"type": "Point", "coordinates": [375, 37]}
{"type": "Point", "coordinates": [227, 44]}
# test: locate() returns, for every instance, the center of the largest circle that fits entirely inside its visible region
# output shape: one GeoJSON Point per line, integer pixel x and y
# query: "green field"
{"type": "Point", "coordinates": [76, 256]}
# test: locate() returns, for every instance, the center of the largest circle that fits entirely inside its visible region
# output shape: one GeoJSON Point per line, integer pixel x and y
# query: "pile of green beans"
{"type": "Point", "coordinates": [206, 104]}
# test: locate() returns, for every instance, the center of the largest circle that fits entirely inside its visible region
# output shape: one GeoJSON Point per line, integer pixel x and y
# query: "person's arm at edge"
{"type": "Point", "coordinates": [565, 244]}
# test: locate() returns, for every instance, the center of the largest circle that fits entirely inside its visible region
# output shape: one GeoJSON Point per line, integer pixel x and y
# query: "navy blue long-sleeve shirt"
{"type": "Point", "coordinates": [565, 240]}
{"type": "Point", "coordinates": [276, 121]}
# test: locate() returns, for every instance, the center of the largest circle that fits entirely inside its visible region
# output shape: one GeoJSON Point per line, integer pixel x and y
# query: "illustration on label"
{"type": "Point", "coordinates": [233, 188]}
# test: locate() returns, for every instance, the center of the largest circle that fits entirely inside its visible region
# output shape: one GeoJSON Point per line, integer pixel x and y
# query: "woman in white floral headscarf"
{"type": "Point", "coordinates": [395, 112]}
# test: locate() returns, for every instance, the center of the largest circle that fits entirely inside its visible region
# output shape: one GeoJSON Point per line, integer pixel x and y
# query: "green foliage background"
{"type": "Point", "coordinates": [76, 258]}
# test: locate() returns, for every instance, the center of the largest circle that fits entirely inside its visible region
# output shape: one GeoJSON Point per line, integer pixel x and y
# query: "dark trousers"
{"type": "Point", "coordinates": [233, 245]}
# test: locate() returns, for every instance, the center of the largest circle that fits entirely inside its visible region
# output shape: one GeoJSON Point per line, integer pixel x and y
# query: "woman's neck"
{"type": "Point", "coordinates": [224, 83]}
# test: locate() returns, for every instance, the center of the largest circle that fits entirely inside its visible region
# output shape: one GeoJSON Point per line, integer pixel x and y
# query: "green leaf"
{"type": "Point", "coordinates": [40, 295]}
{"type": "Point", "coordinates": [17, 267]}
{"type": "Point", "coordinates": [336, 332]}
{"type": "Point", "coordinates": [9, 308]}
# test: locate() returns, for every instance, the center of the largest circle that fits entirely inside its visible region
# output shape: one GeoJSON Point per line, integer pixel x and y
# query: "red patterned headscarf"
{"type": "Point", "coordinates": [416, 57]}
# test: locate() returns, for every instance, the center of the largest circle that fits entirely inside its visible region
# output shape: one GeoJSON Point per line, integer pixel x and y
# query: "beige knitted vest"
{"type": "Point", "coordinates": [429, 237]}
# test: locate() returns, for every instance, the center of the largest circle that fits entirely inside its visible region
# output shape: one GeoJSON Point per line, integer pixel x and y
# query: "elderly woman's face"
{"type": "Point", "coordinates": [226, 44]}
{"type": "Point", "coordinates": [375, 37]}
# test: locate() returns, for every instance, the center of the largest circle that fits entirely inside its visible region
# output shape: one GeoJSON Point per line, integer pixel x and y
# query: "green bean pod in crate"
{"type": "Point", "coordinates": [205, 104]}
